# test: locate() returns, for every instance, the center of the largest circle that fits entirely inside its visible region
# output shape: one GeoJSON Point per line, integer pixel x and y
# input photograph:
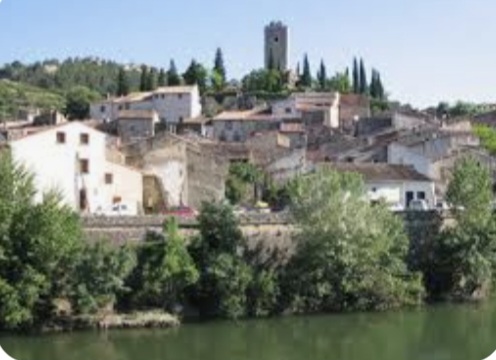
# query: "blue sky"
{"type": "Point", "coordinates": [426, 50]}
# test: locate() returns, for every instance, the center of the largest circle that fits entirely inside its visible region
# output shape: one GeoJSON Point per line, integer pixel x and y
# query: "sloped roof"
{"type": "Point", "coordinates": [381, 172]}
{"type": "Point", "coordinates": [137, 114]}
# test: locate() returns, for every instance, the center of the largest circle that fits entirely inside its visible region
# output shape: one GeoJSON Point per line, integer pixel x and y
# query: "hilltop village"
{"type": "Point", "coordinates": [172, 147]}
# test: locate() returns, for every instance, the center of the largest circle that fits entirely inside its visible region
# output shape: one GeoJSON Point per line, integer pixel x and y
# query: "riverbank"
{"type": "Point", "coordinates": [135, 320]}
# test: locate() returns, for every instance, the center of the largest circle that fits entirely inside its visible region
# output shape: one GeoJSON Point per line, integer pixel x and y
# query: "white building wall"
{"type": "Point", "coordinates": [394, 192]}
{"type": "Point", "coordinates": [127, 184]}
{"type": "Point", "coordinates": [55, 166]}
{"type": "Point", "coordinates": [401, 155]}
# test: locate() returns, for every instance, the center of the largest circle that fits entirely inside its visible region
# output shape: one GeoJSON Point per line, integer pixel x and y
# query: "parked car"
{"type": "Point", "coordinates": [396, 207]}
{"type": "Point", "coordinates": [181, 212]}
{"type": "Point", "coordinates": [418, 205]}
{"type": "Point", "coordinates": [118, 209]}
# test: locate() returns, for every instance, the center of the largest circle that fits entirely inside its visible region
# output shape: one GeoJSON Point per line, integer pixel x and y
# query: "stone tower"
{"type": "Point", "coordinates": [277, 46]}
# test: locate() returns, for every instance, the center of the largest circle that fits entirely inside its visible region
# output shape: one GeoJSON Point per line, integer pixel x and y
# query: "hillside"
{"type": "Point", "coordinates": [61, 76]}
{"type": "Point", "coordinates": [15, 96]}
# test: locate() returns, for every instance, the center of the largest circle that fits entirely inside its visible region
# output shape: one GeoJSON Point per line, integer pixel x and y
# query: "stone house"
{"type": "Point", "coordinates": [178, 171]}
{"type": "Point", "coordinates": [135, 125]}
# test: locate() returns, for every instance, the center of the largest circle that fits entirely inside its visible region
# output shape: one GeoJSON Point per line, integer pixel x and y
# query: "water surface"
{"type": "Point", "coordinates": [435, 333]}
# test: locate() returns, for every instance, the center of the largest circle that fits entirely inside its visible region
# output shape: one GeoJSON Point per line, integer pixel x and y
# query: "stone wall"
{"type": "Point", "coordinates": [267, 231]}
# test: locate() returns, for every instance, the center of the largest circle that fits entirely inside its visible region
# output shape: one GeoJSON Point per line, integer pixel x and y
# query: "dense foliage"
{"type": "Point", "coordinates": [350, 255]}
{"type": "Point", "coordinates": [463, 259]}
{"type": "Point", "coordinates": [15, 97]}
{"type": "Point", "coordinates": [487, 136]}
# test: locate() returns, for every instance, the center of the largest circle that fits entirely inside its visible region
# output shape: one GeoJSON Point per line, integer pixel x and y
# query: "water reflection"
{"type": "Point", "coordinates": [436, 333]}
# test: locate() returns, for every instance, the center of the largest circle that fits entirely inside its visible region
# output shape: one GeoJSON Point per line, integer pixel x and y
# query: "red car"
{"type": "Point", "coordinates": [182, 212]}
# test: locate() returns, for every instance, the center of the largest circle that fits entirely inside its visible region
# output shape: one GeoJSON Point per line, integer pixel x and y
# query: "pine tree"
{"type": "Point", "coordinates": [363, 78]}
{"type": "Point", "coordinates": [144, 78]}
{"type": "Point", "coordinates": [122, 83]}
{"type": "Point", "coordinates": [219, 65]}
{"type": "Point", "coordinates": [306, 79]}
{"type": "Point", "coordinates": [161, 78]}
{"type": "Point", "coordinates": [196, 74]}
{"type": "Point", "coordinates": [173, 78]}
{"type": "Point", "coordinates": [356, 77]}
{"type": "Point", "coordinates": [322, 76]}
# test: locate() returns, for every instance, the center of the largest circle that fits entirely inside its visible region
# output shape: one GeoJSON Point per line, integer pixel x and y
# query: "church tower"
{"type": "Point", "coordinates": [277, 46]}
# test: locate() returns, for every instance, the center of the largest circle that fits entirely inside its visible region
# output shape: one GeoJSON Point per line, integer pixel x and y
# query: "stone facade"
{"type": "Point", "coordinates": [277, 46]}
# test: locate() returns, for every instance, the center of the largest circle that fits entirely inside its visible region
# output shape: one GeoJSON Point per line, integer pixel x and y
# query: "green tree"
{"type": "Point", "coordinates": [219, 66]}
{"type": "Point", "coordinates": [340, 82]}
{"type": "Point", "coordinates": [221, 290]}
{"type": "Point", "coordinates": [38, 249]}
{"type": "Point", "coordinates": [165, 269]}
{"type": "Point", "coordinates": [78, 101]}
{"type": "Point", "coordinates": [487, 136]}
{"type": "Point", "coordinates": [363, 78]}
{"type": "Point", "coordinates": [99, 276]}
{"type": "Point", "coordinates": [173, 78]}
{"type": "Point", "coordinates": [269, 81]}
{"type": "Point", "coordinates": [350, 255]}
{"type": "Point", "coordinates": [356, 77]}
{"type": "Point", "coordinates": [216, 82]}
{"type": "Point", "coordinates": [241, 177]}
{"type": "Point", "coordinates": [376, 88]}
{"type": "Point", "coordinates": [306, 78]}
{"type": "Point", "coordinates": [462, 261]}
{"type": "Point", "coordinates": [122, 83]}
{"type": "Point", "coordinates": [144, 78]}
{"type": "Point", "coordinates": [470, 189]}
{"type": "Point", "coordinates": [196, 74]}
{"type": "Point", "coordinates": [322, 76]}
{"type": "Point", "coordinates": [162, 80]}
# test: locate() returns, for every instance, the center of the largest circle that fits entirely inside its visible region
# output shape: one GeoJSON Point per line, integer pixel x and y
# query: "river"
{"type": "Point", "coordinates": [433, 333]}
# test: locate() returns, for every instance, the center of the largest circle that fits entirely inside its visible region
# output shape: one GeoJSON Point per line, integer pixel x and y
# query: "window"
{"type": "Point", "coordinates": [109, 178]}
{"type": "Point", "coordinates": [288, 110]}
{"type": "Point", "coordinates": [60, 137]}
{"type": "Point", "coordinates": [102, 108]}
{"type": "Point", "coordinates": [179, 96]}
{"type": "Point", "coordinates": [163, 96]}
{"type": "Point", "coordinates": [276, 39]}
{"type": "Point", "coordinates": [229, 125]}
{"type": "Point", "coordinates": [84, 166]}
{"type": "Point", "coordinates": [374, 189]}
{"type": "Point", "coordinates": [181, 119]}
{"type": "Point", "coordinates": [421, 195]}
{"type": "Point", "coordinates": [409, 198]}
{"type": "Point", "coordinates": [120, 107]}
{"type": "Point", "coordinates": [127, 106]}
{"type": "Point", "coordinates": [84, 139]}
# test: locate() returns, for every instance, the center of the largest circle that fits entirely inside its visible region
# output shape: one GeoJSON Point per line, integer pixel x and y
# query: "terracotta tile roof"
{"type": "Point", "coordinates": [380, 172]}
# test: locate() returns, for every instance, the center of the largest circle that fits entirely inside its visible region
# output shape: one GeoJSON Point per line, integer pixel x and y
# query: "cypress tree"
{"type": "Point", "coordinates": [363, 78]}
{"type": "Point", "coordinates": [380, 88]}
{"type": "Point", "coordinates": [161, 78]}
{"type": "Point", "coordinates": [151, 80]}
{"type": "Point", "coordinates": [173, 78]}
{"type": "Point", "coordinates": [322, 76]}
{"type": "Point", "coordinates": [144, 78]}
{"type": "Point", "coordinates": [122, 83]}
{"type": "Point", "coordinates": [219, 65]}
{"type": "Point", "coordinates": [356, 77]}
{"type": "Point", "coordinates": [306, 79]}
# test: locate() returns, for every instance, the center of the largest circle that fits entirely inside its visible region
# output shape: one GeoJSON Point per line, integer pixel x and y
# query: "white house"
{"type": "Point", "coordinates": [71, 159]}
{"type": "Point", "coordinates": [173, 104]}
{"type": "Point", "coordinates": [395, 184]}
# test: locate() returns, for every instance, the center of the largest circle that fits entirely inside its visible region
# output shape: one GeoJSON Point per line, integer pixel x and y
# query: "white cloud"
{"type": "Point", "coordinates": [3, 354]}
